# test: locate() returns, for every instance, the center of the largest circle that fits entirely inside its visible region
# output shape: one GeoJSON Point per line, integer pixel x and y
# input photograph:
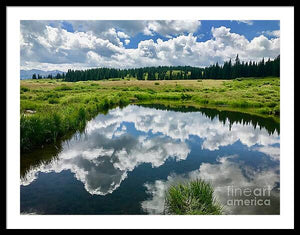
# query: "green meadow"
{"type": "Point", "coordinates": [51, 108]}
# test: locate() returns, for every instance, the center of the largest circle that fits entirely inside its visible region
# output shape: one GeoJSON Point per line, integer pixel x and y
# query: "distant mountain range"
{"type": "Point", "coordinates": [27, 74]}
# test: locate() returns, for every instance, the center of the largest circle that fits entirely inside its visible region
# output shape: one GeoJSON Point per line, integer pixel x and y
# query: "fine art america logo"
{"type": "Point", "coordinates": [259, 196]}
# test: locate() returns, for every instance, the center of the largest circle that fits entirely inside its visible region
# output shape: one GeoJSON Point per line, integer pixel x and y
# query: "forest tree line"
{"type": "Point", "coordinates": [229, 70]}
{"type": "Point", "coordinates": [49, 76]}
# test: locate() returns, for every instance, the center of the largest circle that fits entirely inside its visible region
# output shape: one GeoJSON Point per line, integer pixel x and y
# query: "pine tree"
{"type": "Point", "coordinates": [237, 67]}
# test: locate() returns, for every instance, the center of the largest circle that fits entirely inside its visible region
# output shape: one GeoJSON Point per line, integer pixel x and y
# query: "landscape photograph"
{"type": "Point", "coordinates": [150, 117]}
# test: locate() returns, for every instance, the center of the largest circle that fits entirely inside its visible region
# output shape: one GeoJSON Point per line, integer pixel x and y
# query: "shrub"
{"type": "Point", "coordinates": [142, 96]}
{"type": "Point", "coordinates": [185, 96]}
{"type": "Point", "coordinates": [272, 104]}
{"type": "Point", "coordinates": [94, 84]}
{"type": "Point", "coordinates": [24, 89]}
{"type": "Point", "coordinates": [151, 91]}
{"type": "Point", "coordinates": [62, 88]}
{"type": "Point", "coordinates": [53, 101]}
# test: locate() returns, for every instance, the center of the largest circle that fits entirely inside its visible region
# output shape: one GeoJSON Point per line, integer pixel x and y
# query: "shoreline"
{"type": "Point", "coordinates": [58, 108]}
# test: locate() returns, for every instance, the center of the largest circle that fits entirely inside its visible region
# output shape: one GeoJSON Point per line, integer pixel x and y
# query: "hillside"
{"type": "Point", "coordinates": [27, 74]}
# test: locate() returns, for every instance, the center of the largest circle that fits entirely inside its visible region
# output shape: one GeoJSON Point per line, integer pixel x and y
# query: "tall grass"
{"type": "Point", "coordinates": [63, 88]}
{"type": "Point", "coordinates": [192, 198]}
{"type": "Point", "coordinates": [61, 108]}
{"type": "Point", "coordinates": [42, 128]}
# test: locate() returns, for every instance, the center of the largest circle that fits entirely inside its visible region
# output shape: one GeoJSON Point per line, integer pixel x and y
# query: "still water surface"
{"type": "Point", "coordinates": [123, 162]}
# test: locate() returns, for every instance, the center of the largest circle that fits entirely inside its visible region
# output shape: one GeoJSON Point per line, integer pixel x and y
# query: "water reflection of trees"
{"type": "Point", "coordinates": [233, 117]}
{"type": "Point", "coordinates": [49, 152]}
{"type": "Point", "coordinates": [39, 156]}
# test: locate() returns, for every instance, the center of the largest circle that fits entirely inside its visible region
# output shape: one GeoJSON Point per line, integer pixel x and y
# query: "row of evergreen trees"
{"type": "Point", "coordinates": [49, 76]}
{"type": "Point", "coordinates": [241, 69]}
{"type": "Point", "coordinates": [228, 70]}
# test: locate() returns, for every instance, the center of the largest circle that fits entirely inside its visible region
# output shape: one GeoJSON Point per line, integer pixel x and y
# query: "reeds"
{"type": "Point", "coordinates": [75, 103]}
{"type": "Point", "coordinates": [39, 129]}
{"type": "Point", "coordinates": [195, 197]}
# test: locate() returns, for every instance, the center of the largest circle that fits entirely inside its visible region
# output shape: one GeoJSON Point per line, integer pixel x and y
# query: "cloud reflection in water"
{"type": "Point", "coordinates": [116, 143]}
{"type": "Point", "coordinates": [225, 173]}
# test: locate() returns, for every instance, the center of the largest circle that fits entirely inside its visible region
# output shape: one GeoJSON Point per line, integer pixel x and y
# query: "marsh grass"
{"type": "Point", "coordinates": [192, 198]}
{"type": "Point", "coordinates": [55, 120]}
{"type": "Point", "coordinates": [59, 105]}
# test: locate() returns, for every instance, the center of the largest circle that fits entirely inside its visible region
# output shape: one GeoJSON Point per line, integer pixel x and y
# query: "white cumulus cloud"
{"type": "Point", "coordinates": [168, 28]}
{"type": "Point", "coordinates": [43, 44]}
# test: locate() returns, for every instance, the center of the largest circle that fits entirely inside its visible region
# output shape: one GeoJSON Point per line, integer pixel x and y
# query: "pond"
{"type": "Point", "coordinates": [124, 161]}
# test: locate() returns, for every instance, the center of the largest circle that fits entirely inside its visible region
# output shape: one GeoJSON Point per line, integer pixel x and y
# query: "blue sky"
{"type": "Point", "coordinates": [204, 32]}
{"type": "Point", "coordinates": [61, 45]}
